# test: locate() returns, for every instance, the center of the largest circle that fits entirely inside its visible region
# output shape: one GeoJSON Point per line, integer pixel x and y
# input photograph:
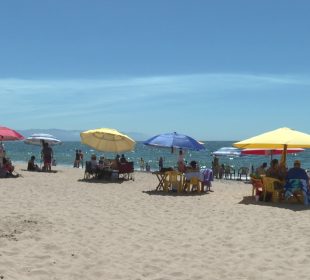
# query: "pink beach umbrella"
{"type": "Point", "coordinates": [8, 134]}
{"type": "Point", "coordinates": [270, 152]}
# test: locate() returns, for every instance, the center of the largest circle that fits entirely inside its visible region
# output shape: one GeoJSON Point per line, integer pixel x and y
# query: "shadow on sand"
{"type": "Point", "coordinates": [249, 200]}
{"type": "Point", "coordinates": [102, 181]}
{"type": "Point", "coordinates": [176, 194]}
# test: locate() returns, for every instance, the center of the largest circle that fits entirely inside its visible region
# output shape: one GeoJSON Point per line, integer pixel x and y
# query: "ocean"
{"type": "Point", "coordinates": [64, 154]}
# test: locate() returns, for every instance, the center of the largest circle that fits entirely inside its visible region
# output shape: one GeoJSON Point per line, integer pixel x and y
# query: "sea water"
{"type": "Point", "coordinates": [64, 154]}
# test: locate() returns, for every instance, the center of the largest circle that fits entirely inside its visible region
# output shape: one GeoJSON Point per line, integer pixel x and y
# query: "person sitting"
{"type": "Point", "coordinates": [32, 166]}
{"type": "Point", "coordinates": [8, 168]}
{"type": "Point", "coordinates": [261, 170]}
{"type": "Point", "coordinates": [181, 163]}
{"type": "Point", "coordinates": [278, 172]}
{"type": "Point", "coordinates": [297, 179]}
{"type": "Point", "coordinates": [193, 166]}
{"type": "Point", "coordinates": [101, 163]}
{"type": "Point", "coordinates": [123, 159]}
{"type": "Point", "coordinates": [93, 162]}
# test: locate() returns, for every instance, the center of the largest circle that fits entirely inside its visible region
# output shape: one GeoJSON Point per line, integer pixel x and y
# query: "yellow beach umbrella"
{"type": "Point", "coordinates": [281, 138]}
{"type": "Point", "coordinates": [107, 140]}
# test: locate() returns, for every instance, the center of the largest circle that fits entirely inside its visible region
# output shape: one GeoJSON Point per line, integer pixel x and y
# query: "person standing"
{"type": "Point", "coordinates": [47, 156]}
{"type": "Point", "coordinates": [216, 166]}
{"type": "Point", "coordinates": [141, 164]}
{"type": "Point", "coordinates": [161, 163]}
{"type": "Point", "coordinates": [81, 158]}
{"type": "Point", "coordinates": [181, 163]}
{"type": "Point", "coordinates": [77, 159]}
{"type": "Point", "coordinates": [2, 154]}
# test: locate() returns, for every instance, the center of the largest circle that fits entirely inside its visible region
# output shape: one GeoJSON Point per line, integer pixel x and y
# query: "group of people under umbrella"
{"type": "Point", "coordinates": [44, 140]}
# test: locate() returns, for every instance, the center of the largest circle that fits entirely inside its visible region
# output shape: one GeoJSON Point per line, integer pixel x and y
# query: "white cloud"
{"type": "Point", "coordinates": [57, 103]}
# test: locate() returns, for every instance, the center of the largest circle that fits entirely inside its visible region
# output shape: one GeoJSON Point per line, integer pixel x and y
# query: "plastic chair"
{"type": "Point", "coordinates": [173, 181]}
{"type": "Point", "coordinates": [297, 190]}
{"type": "Point", "coordinates": [192, 184]}
{"type": "Point", "coordinates": [257, 186]}
{"type": "Point", "coordinates": [229, 172]}
{"type": "Point", "coordinates": [243, 171]}
{"type": "Point", "coordinates": [269, 187]}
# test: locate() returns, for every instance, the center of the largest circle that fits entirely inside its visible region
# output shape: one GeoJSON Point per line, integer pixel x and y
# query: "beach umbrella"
{"type": "Point", "coordinates": [107, 140]}
{"type": "Point", "coordinates": [281, 138]}
{"type": "Point", "coordinates": [8, 134]}
{"type": "Point", "coordinates": [174, 140]}
{"type": "Point", "coordinates": [227, 151]}
{"type": "Point", "coordinates": [39, 138]}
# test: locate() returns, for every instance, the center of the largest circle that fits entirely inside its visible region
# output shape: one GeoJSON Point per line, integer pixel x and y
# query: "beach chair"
{"type": "Point", "coordinates": [297, 190]}
{"type": "Point", "coordinates": [229, 172]}
{"type": "Point", "coordinates": [173, 181]}
{"type": "Point", "coordinates": [89, 172]}
{"type": "Point", "coordinates": [269, 187]}
{"type": "Point", "coordinates": [243, 171]}
{"type": "Point", "coordinates": [194, 184]}
{"type": "Point", "coordinates": [257, 186]}
{"type": "Point", "coordinates": [126, 170]}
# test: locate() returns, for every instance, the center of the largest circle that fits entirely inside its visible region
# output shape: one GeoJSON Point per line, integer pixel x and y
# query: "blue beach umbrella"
{"type": "Point", "coordinates": [174, 140]}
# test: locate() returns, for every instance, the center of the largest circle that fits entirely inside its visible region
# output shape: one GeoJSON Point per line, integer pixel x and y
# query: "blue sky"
{"type": "Point", "coordinates": [215, 70]}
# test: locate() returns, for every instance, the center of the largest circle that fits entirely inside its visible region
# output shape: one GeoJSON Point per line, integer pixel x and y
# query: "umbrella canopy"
{"type": "Point", "coordinates": [7, 134]}
{"type": "Point", "coordinates": [270, 152]}
{"type": "Point", "coordinates": [107, 140]}
{"type": "Point", "coordinates": [281, 138]}
{"type": "Point", "coordinates": [227, 151]}
{"type": "Point", "coordinates": [174, 140]}
{"type": "Point", "coordinates": [277, 139]}
{"type": "Point", "coordinates": [38, 138]}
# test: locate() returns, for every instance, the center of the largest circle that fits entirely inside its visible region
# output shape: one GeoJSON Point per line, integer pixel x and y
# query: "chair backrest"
{"type": "Point", "coordinates": [174, 179]}
{"type": "Point", "coordinates": [257, 183]}
{"type": "Point", "coordinates": [126, 167]}
{"type": "Point", "coordinates": [268, 183]}
{"type": "Point", "coordinates": [88, 167]}
{"type": "Point", "coordinates": [174, 176]}
{"type": "Point", "coordinates": [243, 170]}
{"type": "Point", "coordinates": [194, 181]}
{"type": "Point", "coordinates": [294, 185]}
{"type": "Point", "coordinates": [229, 170]}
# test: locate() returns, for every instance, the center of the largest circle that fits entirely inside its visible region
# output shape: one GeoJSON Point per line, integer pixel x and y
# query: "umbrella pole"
{"type": "Point", "coordinates": [283, 157]}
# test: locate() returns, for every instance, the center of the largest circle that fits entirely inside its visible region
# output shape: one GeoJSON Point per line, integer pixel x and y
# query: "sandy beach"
{"type": "Point", "coordinates": [57, 226]}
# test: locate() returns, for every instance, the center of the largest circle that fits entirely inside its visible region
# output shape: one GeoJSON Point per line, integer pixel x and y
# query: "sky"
{"type": "Point", "coordinates": [214, 70]}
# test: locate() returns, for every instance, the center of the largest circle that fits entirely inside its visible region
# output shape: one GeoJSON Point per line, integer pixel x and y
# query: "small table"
{"type": "Point", "coordinates": [161, 176]}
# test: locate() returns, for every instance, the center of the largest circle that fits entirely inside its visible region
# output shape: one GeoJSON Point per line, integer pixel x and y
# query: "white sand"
{"type": "Point", "coordinates": [55, 226]}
